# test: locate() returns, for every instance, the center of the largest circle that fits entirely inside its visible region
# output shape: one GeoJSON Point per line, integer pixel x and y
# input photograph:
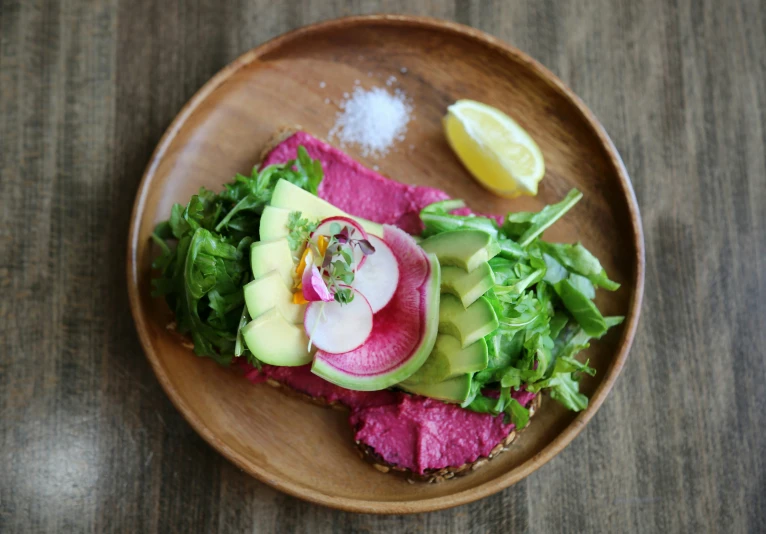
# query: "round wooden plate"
{"type": "Point", "coordinates": [299, 78]}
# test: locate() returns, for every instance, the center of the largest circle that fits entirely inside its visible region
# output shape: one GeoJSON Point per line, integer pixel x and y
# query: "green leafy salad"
{"type": "Point", "coordinates": [205, 255]}
{"type": "Point", "coordinates": [543, 298]}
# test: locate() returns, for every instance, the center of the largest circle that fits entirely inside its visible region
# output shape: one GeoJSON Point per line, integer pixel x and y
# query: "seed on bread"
{"type": "Point", "coordinates": [479, 464]}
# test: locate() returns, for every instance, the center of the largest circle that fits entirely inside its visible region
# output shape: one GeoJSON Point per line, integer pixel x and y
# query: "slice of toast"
{"type": "Point", "coordinates": [368, 454]}
{"type": "Point", "coordinates": [365, 451]}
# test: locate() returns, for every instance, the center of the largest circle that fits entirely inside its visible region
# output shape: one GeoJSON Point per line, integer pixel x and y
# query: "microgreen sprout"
{"type": "Point", "coordinates": [338, 263]}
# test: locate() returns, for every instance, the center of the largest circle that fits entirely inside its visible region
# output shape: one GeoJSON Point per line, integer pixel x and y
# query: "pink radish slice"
{"type": "Point", "coordinates": [337, 328]}
{"type": "Point", "coordinates": [403, 333]}
{"type": "Point", "coordinates": [379, 278]}
{"type": "Point", "coordinates": [355, 232]}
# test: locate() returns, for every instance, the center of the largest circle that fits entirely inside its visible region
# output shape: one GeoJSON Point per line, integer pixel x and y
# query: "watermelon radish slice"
{"type": "Point", "coordinates": [403, 332]}
{"type": "Point", "coordinates": [336, 328]}
{"type": "Point", "coordinates": [356, 232]}
{"type": "Point", "coordinates": [378, 280]}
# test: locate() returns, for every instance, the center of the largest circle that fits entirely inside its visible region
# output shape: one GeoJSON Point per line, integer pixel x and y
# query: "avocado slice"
{"type": "Point", "coordinates": [467, 324]}
{"type": "Point", "coordinates": [462, 248]}
{"type": "Point", "coordinates": [291, 197]}
{"type": "Point", "coordinates": [273, 223]}
{"type": "Point", "coordinates": [453, 390]}
{"type": "Point", "coordinates": [267, 256]}
{"type": "Point", "coordinates": [269, 291]}
{"type": "Point", "coordinates": [273, 340]}
{"type": "Point", "coordinates": [467, 286]}
{"type": "Point", "coordinates": [449, 359]}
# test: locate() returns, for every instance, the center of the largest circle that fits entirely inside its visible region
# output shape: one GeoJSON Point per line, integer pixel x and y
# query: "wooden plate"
{"type": "Point", "coordinates": [299, 78]}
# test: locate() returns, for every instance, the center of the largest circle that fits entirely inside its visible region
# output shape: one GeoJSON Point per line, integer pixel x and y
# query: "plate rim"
{"type": "Point", "coordinates": [370, 506]}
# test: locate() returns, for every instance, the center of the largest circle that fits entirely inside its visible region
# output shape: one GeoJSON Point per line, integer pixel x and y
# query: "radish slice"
{"type": "Point", "coordinates": [355, 232]}
{"type": "Point", "coordinates": [337, 328]}
{"type": "Point", "coordinates": [379, 278]}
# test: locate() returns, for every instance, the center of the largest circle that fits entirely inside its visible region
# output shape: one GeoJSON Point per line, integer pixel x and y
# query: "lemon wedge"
{"type": "Point", "coordinates": [499, 153]}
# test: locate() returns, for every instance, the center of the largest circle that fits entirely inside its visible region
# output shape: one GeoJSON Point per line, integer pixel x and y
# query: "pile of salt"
{"type": "Point", "coordinates": [374, 120]}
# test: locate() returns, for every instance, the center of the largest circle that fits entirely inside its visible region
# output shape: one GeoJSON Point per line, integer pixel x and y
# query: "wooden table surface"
{"type": "Point", "coordinates": [89, 441]}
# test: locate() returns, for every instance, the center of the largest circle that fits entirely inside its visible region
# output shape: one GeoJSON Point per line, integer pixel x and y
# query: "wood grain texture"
{"type": "Point", "coordinates": [88, 440]}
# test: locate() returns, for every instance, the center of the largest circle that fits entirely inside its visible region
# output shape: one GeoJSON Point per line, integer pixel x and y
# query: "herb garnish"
{"type": "Point", "coordinates": [338, 262]}
{"type": "Point", "coordinates": [299, 230]}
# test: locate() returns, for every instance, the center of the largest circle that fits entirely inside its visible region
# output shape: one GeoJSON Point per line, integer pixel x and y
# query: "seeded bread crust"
{"type": "Point", "coordinates": [279, 136]}
{"type": "Point", "coordinates": [367, 453]}
{"type": "Point", "coordinates": [431, 476]}
{"type": "Point", "coordinates": [434, 476]}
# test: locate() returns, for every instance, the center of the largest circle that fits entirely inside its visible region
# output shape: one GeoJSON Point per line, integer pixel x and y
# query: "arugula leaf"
{"type": "Point", "coordinates": [582, 308]}
{"type": "Point", "coordinates": [572, 339]}
{"type": "Point", "coordinates": [515, 287]}
{"type": "Point", "coordinates": [204, 263]}
{"type": "Point", "coordinates": [565, 388]}
{"type": "Point", "coordinates": [444, 206]}
{"type": "Point", "coordinates": [436, 218]}
{"type": "Point", "coordinates": [502, 269]}
{"type": "Point", "coordinates": [583, 285]}
{"type": "Point", "coordinates": [570, 365]}
{"type": "Point", "coordinates": [557, 323]}
{"type": "Point", "coordinates": [554, 271]}
{"type": "Point", "coordinates": [177, 222]}
{"type": "Point", "coordinates": [577, 259]}
{"type": "Point", "coordinates": [436, 223]}
{"type": "Point", "coordinates": [504, 403]}
{"type": "Point", "coordinates": [525, 226]}
{"type": "Point", "coordinates": [518, 413]}
{"type": "Point", "coordinates": [510, 249]}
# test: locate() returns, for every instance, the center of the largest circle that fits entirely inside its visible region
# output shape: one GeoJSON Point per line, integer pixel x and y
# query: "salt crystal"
{"type": "Point", "coordinates": [403, 70]}
{"type": "Point", "coordinates": [374, 120]}
{"type": "Point", "coordinates": [356, 82]}
{"type": "Point", "coordinates": [322, 85]}
{"type": "Point", "coordinates": [326, 100]}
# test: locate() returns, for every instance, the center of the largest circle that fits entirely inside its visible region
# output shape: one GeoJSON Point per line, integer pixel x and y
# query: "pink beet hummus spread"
{"type": "Point", "coordinates": [357, 190]}
{"type": "Point", "coordinates": [409, 431]}
{"type": "Point", "coordinates": [405, 430]}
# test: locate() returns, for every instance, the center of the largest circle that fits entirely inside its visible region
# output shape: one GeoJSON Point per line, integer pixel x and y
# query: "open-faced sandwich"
{"type": "Point", "coordinates": [437, 329]}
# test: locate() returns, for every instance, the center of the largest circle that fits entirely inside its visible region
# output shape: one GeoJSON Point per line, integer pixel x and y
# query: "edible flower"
{"type": "Point", "coordinates": [314, 287]}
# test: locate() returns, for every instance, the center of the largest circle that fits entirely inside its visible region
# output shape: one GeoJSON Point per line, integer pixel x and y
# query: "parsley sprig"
{"type": "Point", "coordinates": [299, 230]}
